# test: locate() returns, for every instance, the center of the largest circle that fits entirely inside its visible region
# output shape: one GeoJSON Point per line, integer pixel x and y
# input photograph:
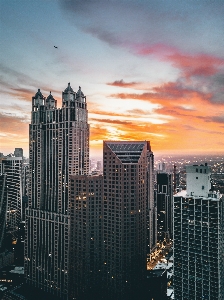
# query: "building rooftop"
{"type": "Point", "coordinates": [213, 195]}
{"type": "Point", "coordinates": [38, 94]}
{"type": "Point", "coordinates": [68, 89]}
{"type": "Point", "coordinates": [127, 152]}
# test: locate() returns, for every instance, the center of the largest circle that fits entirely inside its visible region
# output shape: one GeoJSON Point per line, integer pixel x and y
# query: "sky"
{"type": "Point", "coordinates": [150, 69]}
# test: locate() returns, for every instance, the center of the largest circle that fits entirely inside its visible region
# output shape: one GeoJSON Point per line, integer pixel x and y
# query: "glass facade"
{"type": "Point", "coordinates": [198, 247]}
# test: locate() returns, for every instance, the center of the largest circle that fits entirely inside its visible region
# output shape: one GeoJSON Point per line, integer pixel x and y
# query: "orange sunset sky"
{"type": "Point", "coordinates": [151, 70]}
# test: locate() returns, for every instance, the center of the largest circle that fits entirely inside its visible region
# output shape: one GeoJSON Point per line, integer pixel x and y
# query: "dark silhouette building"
{"type": "Point", "coordinates": [164, 206]}
{"type": "Point", "coordinates": [85, 267]}
{"type": "Point", "coordinates": [128, 212]}
{"type": "Point", "coordinates": [18, 152]}
{"type": "Point", "coordinates": [156, 285]}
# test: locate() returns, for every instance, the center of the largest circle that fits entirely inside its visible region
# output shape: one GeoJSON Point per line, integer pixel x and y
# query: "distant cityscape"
{"type": "Point", "coordinates": [133, 225]}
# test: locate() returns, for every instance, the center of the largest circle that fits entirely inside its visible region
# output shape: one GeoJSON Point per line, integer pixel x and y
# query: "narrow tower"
{"type": "Point", "coordinates": [128, 212]}
{"type": "Point", "coordinates": [59, 147]}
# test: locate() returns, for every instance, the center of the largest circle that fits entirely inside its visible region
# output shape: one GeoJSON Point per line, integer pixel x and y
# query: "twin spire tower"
{"type": "Point", "coordinates": [58, 148]}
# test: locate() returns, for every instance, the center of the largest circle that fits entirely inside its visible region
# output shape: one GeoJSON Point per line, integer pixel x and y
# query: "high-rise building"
{"type": "Point", "coordinates": [164, 197]}
{"type": "Point", "coordinates": [59, 147]}
{"type": "Point", "coordinates": [25, 187]}
{"type": "Point", "coordinates": [18, 152]}
{"type": "Point", "coordinates": [86, 236]}
{"type": "Point", "coordinates": [156, 285]}
{"type": "Point", "coordinates": [3, 207]}
{"type": "Point", "coordinates": [12, 168]}
{"type": "Point", "coordinates": [198, 238]}
{"type": "Point", "coordinates": [128, 212]}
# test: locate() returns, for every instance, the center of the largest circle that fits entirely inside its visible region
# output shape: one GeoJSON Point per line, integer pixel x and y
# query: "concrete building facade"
{"type": "Point", "coordinates": [59, 147]}
{"type": "Point", "coordinates": [128, 212]}
{"type": "Point", "coordinates": [12, 168]}
{"type": "Point", "coordinates": [198, 239]}
{"type": "Point", "coordinates": [85, 272]}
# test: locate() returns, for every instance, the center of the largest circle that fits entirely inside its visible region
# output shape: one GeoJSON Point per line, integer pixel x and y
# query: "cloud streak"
{"type": "Point", "coordinates": [121, 83]}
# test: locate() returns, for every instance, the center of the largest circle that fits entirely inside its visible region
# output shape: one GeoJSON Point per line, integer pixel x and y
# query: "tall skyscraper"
{"type": "Point", "coordinates": [128, 212]}
{"type": "Point", "coordinates": [198, 238]}
{"type": "Point", "coordinates": [164, 197]}
{"type": "Point", "coordinates": [86, 193]}
{"type": "Point", "coordinates": [3, 207]}
{"type": "Point", "coordinates": [12, 168]}
{"type": "Point", "coordinates": [59, 147]}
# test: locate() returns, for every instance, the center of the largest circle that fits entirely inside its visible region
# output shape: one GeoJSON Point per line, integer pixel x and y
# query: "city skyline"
{"type": "Point", "coordinates": [150, 71]}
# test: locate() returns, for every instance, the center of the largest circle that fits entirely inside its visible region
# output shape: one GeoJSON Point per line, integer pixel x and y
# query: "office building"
{"type": "Point", "coordinates": [3, 208]}
{"type": "Point", "coordinates": [128, 212]}
{"type": "Point", "coordinates": [18, 152]}
{"type": "Point", "coordinates": [198, 238]}
{"type": "Point", "coordinates": [12, 168]}
{"type": "Point", "coordinates": [86, 236]}
{"type": "Point", "coordinates": [156, 285]}
{"type": "Point", "coordinates": [164, 206]}
{"type": "Point", "coordinates": [59, 147]}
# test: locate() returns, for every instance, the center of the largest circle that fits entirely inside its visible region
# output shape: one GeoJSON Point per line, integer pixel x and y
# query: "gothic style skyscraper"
{"type": "Point", "coordinates": [59, 147]}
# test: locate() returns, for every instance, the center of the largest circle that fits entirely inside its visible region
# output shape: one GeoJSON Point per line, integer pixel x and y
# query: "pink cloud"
{"type": "Point", "coordinates": [193, 65]}
{"type": "Point", "coordinates": [190, 64]}
{"type": "Point", "coordinates": [121, 83]}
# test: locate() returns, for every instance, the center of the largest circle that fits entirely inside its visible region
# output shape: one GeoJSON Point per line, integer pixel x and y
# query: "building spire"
{"type": "Point", "coordinates": [68, 89]}
{"type": "Point", "coordinates": [38, 94]}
